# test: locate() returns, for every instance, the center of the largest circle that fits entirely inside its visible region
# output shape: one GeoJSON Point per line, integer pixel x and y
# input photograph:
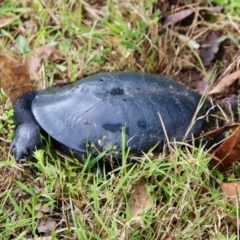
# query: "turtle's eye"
{"type": "Point", "coordinates": [26, 153]}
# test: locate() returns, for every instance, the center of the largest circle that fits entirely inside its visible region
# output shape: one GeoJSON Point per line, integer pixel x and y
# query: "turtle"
{"type": "Point", "coordinates": [92, 114]}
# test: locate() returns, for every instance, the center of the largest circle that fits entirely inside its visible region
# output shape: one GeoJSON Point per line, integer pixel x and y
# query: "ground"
{"type": "Point", "coordinates": [51, 197]}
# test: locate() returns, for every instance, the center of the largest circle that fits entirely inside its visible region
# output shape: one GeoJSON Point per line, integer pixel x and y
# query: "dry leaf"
{"type": "Point", "coordinates": [34, 60]}
{"type": "Point", "coordinates": [228, 152]}
{"type": "Point", "coordinates": [140, 200]}
{"type": "Point", "coordinates": [225, 82]}
{"type": "Point", "coordinates": [39, 215]}
{"type": "Point", "coordinates": [13, 76]}
{"type": "Point", "coordinates": [38, 207]}
{"type": "Point", "coordinates": [46, 226]}
{"type": "Point", "coordinates": [232, 190]}
{"type": "Point", "coordinates": [6, 20]}
{"type": "Point", "coordinates": [178, 16]}
{"type": "Point", "coordinates": [45, 209]}
{"type": "Point", "coordinates": [210, 48]}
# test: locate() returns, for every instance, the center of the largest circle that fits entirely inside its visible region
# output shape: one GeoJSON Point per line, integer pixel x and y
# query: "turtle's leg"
{"type": "Point", "coordinates": [27, 136]}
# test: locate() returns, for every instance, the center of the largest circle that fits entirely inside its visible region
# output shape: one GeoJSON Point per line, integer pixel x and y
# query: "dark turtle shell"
{"type": "Point", "coordinates": [90, 113]}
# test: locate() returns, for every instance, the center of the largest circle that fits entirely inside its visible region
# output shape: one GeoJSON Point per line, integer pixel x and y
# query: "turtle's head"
{"type": "Point", "coordinates": [26, 140]}
{"type": "Point", "coordinates": [27, 137]}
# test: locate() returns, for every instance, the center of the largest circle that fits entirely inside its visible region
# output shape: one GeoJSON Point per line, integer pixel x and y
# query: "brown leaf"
{"type": "Point", "coordinates": [228, 152]}
{"type": "Point", "coordinates": [225, 82]}
{"type": "Point", "coordinates": [45, 209]}
{"type": "Point", "coordinates": [6, 20]}
{"type": "Point", "coordinates": [39, 215]}
{"type": "Point", "coordinates": [34, 60]}
{"type": "Point", "coordinates": [38, 207]}
{"type": "Point", "coordinates": [210, 48]}
{"type": "Point", "coordinates": [14, 77]}
{"type": "Point", "coordinates": [140, 200]}
{"type": "Point", "coordinates": [232, 190]}
{"type": "Point", "coordinates": [46, 226]}
{"type": "Point", "coordinates": [176, 17]}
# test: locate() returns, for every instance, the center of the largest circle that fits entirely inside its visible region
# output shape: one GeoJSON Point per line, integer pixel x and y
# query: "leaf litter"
{"type": "Point", "coordinates": [228, 152]}
{"type": "Point", "coordinates": [225, 82]}
{"type": "Point", "coordinates": [34, 60]}
{"type": "Point", "coordinates": [139, 202]}
{"type": "Point", "coordinates": [6, 20]}
{"type": "Point", "coordinates": [46, 226]}
{"type": "Point", "coordinates": [140, 199]}
{"type": "Point", "coordinates": [14, 76]}
{"type": "Point", "coordinates": [209, 48]}
{"type": "Point", "coordinates": [180, 15]}
{"type": "Point", "coordinates": [232, 191]}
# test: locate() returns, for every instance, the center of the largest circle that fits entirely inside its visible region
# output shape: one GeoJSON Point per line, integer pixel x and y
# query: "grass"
{"type": "Point", "coordinates": [56, 198]}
